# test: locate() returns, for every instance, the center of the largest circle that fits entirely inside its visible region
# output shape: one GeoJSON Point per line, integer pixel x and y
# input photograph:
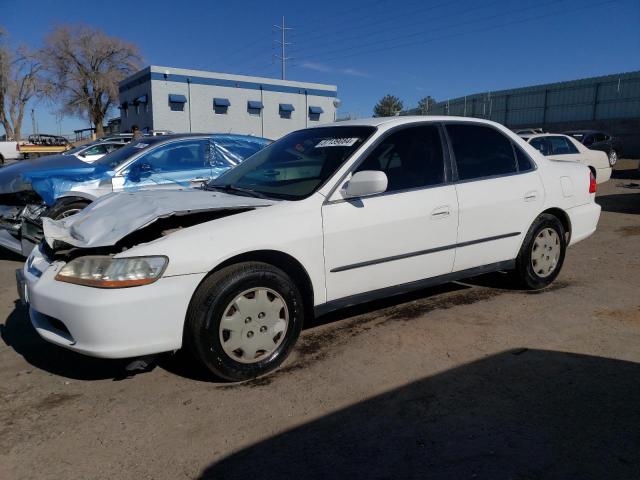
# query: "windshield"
{"type": "Point", "coordinates": [115, 158]}
{"type": "Point", "coordinates": [297, 165]}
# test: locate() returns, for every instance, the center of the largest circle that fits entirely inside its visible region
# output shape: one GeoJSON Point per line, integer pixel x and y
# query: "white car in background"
{"type": "Point", "coordinates": [8, 151]}
{"type": "Point", "coordinates": [321, 219]}
{"type": "Point", "coordinates": [565, 148]}
{"type": "Point", "coordinates": [94, 151]}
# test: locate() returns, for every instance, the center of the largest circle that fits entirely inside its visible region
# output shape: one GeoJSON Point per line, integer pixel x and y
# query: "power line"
{"type": "Point", "coordinates": [424, 41]}
{"type": "Point", "coordinates": [444, 27]}
{"type": "Point", "coordinates": [367, 23]}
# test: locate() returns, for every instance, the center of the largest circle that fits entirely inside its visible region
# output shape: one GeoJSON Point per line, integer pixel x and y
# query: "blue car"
{"type": "Point", "coordinates": [61, 185]}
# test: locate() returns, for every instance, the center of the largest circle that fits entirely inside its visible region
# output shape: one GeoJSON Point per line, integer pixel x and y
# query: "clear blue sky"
{"type": "Point", "coordinates": [409, 48]}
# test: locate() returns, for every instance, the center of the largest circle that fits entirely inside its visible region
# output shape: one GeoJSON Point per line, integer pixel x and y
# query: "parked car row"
{"type": "Point", "coordinates": [591, 139]}
{"type": "Point", "coordinates": [324, 218]}
{"type": "Point", "coordinates": [61, 185]}
{"type": "Point", "coordinates": [565, 148]}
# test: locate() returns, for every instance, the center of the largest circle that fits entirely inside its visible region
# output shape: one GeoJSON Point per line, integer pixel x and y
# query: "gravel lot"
{"type": "Point", "coordinates": [471, 379]}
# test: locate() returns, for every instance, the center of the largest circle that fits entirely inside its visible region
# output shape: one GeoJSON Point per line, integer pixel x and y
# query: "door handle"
{"type": "Point", "coordinates": [440, 212]}
{"type": "Point", "coordinates": [530, 196]}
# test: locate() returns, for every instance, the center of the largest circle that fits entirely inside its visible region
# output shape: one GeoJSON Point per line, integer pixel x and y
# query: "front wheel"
{"type": "Point", "coordinates": [65, 209]}
{"type": "Point", "coordinates": [542, 253]}
{"type": "Point", "coordinates": [613, 157]}
{"type": "Point", "coordinates": [244, 320]}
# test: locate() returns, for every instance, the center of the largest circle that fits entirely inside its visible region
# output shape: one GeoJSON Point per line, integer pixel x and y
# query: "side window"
{"type": "Point", "coordinates": [588, 140]}
{"type": "Point", "coordinates": [113, 146]}
{"type": "Point", "coordinates": [188, 155]}
{"type": "Point", "coordinates": [561, 146]}
{"type": "Point", "coordinates": [524, 162]}
{"type": "Point", "coordinates": [599, 137]}
{"type": "Point", "coordinates": [481, 151]}
{"type": "Point", "coordinates": [540, 143]}
{"type": "Point", "coordinates": [411, 158]}
{"type": "Point", "coordinates": [96, 150]}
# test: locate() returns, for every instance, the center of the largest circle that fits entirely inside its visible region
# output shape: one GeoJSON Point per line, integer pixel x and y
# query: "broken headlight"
{"type": "Point", "coordinates": [109, 272]}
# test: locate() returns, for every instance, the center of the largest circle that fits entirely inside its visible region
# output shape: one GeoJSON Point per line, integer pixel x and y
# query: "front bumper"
{"type": "Point", "coordinates": [108, 323]}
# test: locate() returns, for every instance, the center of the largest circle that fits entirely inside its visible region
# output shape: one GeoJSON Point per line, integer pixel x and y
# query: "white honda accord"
{"type": "Point", "coordinates": [324, 218]}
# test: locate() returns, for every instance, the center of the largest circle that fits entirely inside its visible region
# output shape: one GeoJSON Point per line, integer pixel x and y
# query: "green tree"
{"type": "Point", "coordinates": [388, 106]}
{"type": "Point", "coordinates": [426, 104]}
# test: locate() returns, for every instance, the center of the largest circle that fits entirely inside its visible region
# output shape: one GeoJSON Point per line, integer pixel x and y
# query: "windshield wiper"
{"type": "Point", "coordinates": [232, 188]}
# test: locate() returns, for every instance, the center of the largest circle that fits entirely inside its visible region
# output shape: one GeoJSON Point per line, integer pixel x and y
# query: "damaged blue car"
{"type": "Point", "coordinates": [61, 185]}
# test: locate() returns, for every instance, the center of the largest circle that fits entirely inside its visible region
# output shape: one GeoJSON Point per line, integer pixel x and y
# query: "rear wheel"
{"type": "Point", "coordinates": [66, 209]}
{"type": "Point", "coordinates": [542, 253]}
{"type": "Point", "coordinates": [613, 157]}
{"type": "Point", "coordinates": [244, 320]}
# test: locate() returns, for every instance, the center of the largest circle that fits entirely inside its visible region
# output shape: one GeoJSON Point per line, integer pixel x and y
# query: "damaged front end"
{"type": "Point", "coordinates": [120, 221]}
{"type": "Point", "coordinates": [20, 221]}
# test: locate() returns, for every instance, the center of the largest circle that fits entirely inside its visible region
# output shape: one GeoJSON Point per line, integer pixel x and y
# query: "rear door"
{"type": "Point", "coordinates": [499, 194]}
{"type": "Point", "coordinates": [405, 234]}
{"type": "Point", "coordinates": [600, 142]}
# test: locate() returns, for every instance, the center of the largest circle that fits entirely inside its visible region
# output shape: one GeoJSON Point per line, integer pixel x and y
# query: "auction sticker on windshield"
{"type": "Point", "coordinates": [336, 142]}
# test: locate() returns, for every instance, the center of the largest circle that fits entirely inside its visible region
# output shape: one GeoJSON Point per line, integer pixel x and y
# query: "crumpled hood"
{"type": "Point", "coordinates": [114, 216]}
{"type": "Point", "coordinates": [45, 175]}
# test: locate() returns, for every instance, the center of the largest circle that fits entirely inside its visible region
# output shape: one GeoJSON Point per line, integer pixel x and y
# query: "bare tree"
{"type": "Point", "coordinates": [19, 82]}
{"type": "Point", "coordinates": [84, 66]}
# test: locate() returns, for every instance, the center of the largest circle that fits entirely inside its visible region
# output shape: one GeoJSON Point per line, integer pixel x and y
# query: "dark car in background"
{"type": "Point", "coordinates": [597, 140]}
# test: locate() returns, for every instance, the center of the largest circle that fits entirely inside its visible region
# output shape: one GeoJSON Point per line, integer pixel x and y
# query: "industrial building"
{"type": "Point", "coordinates": [610, 103]}
{"type": "Point", "coordinates": [165, 98]}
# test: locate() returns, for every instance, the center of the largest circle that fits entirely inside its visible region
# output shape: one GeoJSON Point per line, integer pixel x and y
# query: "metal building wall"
{"type": "Point", "coordinates": [198, 113]}
{"type": "Point", "coordinates": [610, 102]}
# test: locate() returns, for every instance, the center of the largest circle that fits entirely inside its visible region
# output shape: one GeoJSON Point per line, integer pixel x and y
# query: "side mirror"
{"type": "Point", "coordinates": [366, 182]}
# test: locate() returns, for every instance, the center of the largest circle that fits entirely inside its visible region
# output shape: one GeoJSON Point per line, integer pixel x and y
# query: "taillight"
{"type": "Point", "coordinates": [593, 186]}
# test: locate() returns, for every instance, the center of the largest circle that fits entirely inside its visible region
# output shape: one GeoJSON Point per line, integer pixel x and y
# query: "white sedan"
{"type": "Point", "coordinates": [565, 148]}
{"type": "Point", "coordinates": [94, 151]}
{"type": "Point", "coordinates": [321, 219]}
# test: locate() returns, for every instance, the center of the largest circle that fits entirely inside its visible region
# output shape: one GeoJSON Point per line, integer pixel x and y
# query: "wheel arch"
{"type": "Point", "coordinates": [284, 261]}
{"type": "Point", "coordinates": [564, 219]}
{"type": "Point", "coordinates": [76, 196]}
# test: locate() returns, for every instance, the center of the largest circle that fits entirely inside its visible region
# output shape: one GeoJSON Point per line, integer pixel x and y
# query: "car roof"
{"type": "Point", "coordinates": [402, 120]}
{"type": "Point", "coordinates": [583, 132]}
{"type": "Point", "coordinates": [529, 136]}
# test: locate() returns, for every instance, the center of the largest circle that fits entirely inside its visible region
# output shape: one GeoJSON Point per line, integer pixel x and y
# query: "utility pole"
{"type": "Point", "coordinates": [283, 43]}
{"type": "Point", "coordinates": [34, 123]}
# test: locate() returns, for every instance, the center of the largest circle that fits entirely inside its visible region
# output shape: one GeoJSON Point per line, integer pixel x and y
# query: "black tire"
{"type": "Point", "coordinates": [202, 325]}
{"type": "Point", "coordinates": [612, 157]}
{"type": "Point", "coordinates": [1, 160]}
{"type": "Point", "coordinates": [525, 273]}
{"type": "Point", "coordinates": [63, 209]}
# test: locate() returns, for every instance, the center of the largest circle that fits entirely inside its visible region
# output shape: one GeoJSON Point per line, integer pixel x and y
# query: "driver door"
{"type": "Point", "coordinates": [403, 235]}
{"type": "Point", "coordinates": [178, 164]}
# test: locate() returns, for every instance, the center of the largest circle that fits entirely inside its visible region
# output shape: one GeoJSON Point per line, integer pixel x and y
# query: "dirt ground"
{"type": "Point", "coordinates": [467, 380]}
